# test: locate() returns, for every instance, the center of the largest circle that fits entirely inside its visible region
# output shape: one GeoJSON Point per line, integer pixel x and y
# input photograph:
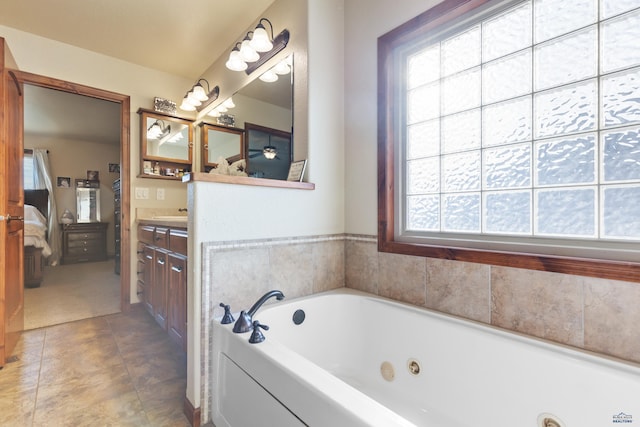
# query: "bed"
{"type": "Point", "coordinates": [36, 247]}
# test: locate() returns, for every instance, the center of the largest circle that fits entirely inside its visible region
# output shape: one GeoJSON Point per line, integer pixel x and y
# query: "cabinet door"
{"type": "Point", "coordinates": [148, 267]}
{"type": "Point", "coordinates": [159, 287]}
{"type": "Point", "coordinates": [177, 303]}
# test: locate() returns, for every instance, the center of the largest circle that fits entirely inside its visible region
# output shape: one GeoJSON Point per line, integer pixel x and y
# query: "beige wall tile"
{"type": "Point", "coordinates": [328, 261]}
{"type": "Point", "coordinates": [546, 305]}
{"type": "Point", "coordinates": [239, 277]}
{"type": "Point", "coordinates": [361, 268]}
{"type": "Point", "coordinates": [402, 278]}
{"type": "Point", "coordinates": [459, 288]}
{"type": "Point", "coordinates": [611, 318]}
{"type": "Point", "coordinates": [291, 269]}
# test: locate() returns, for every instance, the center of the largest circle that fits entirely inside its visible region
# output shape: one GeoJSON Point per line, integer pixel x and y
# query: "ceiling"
{"type": "Point", "coordinates": [196, 32]}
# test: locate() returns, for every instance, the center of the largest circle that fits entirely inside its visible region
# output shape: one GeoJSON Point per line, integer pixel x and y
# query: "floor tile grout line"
{"type": "Point", "coordinates": [126, 367]}
{"type": "Point", "coordinates": [35, 399]}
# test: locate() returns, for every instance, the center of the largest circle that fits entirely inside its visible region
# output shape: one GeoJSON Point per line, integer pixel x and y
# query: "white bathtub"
{"type": "Point", "coordinates": [330, 371]}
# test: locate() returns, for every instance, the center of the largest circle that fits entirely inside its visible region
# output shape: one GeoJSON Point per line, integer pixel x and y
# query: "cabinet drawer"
{"type": "Point", "coordinates": [89, 244]}
{"type": "Point", "coordinates": [161, 237]}
{"type": "Point", "coordinates": [72, 237]}
{"type": "Point", "coordinates": [178, 241]}
{"type": "Point", "coordinates": [145, 234]}
{"type": "Point", "coordinates": [85, 250]}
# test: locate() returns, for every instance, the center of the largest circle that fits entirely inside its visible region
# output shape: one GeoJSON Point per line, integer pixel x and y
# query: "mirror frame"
{"type": "Point", "coordinates": [165, 161]}
{"type": "Point", "coordinates": [204, 140]}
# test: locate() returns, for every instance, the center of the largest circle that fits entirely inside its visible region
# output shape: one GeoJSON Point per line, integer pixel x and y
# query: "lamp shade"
{"type": "Point", "coordinates": [186, 106]}
{"type": "Point", "coordinates": [193, 100]}
{"type": "Point", "coordinates": [228, 103]}
{"type": "Point", "coordinates": [282, 68]}
{"type": "Point", "coordinates": [199, 93]}
{"type": "Point", "coordinates": [269, 76]}
{"type": "Point", "coordinates": [247, 53]}
{"type": "Point", "coordinates": [235, 62]}
{"type": "Point", "coordinates": [269, 152]}
{"type": "Point", "coordinates": [260, 40]}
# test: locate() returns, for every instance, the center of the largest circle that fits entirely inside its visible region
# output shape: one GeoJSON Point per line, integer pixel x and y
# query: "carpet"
{"type": "Point", "coordinates": [72, 292]}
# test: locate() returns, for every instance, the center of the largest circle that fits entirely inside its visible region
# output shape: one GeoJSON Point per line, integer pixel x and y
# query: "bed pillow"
{"type": "Point", "coordinates": [31, 213]}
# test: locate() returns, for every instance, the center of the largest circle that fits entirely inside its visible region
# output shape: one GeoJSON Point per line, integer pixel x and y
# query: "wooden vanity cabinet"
{"type": "Point", "coordinates": [163, 278]}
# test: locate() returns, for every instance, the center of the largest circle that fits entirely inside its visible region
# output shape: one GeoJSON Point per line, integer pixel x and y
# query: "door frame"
{"type": "Point", "coordinates": [125, 167]}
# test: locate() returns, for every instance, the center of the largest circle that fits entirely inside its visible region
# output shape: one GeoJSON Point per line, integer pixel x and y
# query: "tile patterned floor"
{"type": "Point", "coordinates": [117, 370]}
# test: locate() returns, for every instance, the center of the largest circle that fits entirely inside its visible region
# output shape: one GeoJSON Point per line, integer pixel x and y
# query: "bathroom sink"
{"type": "Point", "coordinates": [171, 217]}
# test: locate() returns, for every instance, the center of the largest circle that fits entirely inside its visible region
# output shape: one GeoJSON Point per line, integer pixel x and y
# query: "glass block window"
{"type": "Point", "coordinates": [524, 122]}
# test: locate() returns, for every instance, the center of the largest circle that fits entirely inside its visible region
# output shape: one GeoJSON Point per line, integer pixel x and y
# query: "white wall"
{"type": "Point", "coordinates": [361, 33]}
{"type": "Point", "coordinates": [50, 58]}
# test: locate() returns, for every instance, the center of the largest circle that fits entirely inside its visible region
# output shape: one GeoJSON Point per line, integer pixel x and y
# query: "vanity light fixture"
{"type": "Point", "coordinates": [198, 98]}
{"type": "Point", "coordinates": [222, 108]}
{"type": "Point", "coordinates": [158, 130]}
{"type": "Point", "coordinates": [256, 48]}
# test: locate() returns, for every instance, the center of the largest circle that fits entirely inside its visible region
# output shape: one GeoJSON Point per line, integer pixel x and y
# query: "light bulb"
{"type": "Point", "coordinates": [235, 62]}
{"type": "Point", "coordinates": [269, 76]}
{"type": "Point", "coordinates": [186, 106]}
{"type": "Point", "coordinates": [247, 53]}
{"type": "Point", "coordinates": [199, 93]}
{"type": "Point", "coordinates": [214, 113]}
{"type": "Point", "coordinates": [229, 103]}
{"type": "Point", "coordinates": [260, 40]}
{"type": "Point", "coordinates": [282, 68]}
{"type": "Point", "coordinates": [191, 99]}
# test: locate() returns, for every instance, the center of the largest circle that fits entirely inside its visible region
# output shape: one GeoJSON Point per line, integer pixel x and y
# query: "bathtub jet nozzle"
{"type": "Point", "coordinates": [245, 319]}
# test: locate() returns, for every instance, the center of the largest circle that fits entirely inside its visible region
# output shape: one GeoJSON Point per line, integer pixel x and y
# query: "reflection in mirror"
{"type": "Point", "coordinates": [88, 204]}
{"type": "Point", "coordinates": [268, 152]}
{"type": "Point", "coordinates": [269, 105]}
{"type": "Point", "coordinates": [219, 141]}
{"type": "Point", "coordinates": [167, 139]}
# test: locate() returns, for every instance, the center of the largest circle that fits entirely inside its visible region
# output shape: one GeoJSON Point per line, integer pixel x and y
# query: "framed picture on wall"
{"type": "Point", "coordinates": [93, 175]}
{"type": "Point", "coordinates": [64, 181]}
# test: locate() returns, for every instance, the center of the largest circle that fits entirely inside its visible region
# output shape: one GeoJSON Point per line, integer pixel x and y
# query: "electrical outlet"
{"type": "Point", "coordinates": [160, 194]}
{"type": "Point", "coordinates": [141, 193]}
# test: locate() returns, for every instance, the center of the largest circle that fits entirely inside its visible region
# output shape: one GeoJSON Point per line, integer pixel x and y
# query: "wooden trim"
{"type": "Point", "coordinates": [125, 167]}
{"type": "Point", "coordinates": [192, 414]}
{"type": "Point", "coordinates": [443, 12]}
{"type": "Point", "coordinates": [244, 180]}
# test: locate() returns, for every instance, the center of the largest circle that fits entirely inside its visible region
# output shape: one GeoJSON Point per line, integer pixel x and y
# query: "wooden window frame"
{"type": "Point", "coordinates": [416, 27]}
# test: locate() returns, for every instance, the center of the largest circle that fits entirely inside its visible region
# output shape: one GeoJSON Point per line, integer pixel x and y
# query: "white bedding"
{"type": "Point", "coordinates": [35, 229]}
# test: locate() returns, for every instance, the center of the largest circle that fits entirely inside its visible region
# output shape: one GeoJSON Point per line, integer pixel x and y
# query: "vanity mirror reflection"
{"type": "Point", "coordinates": [265, 105]}
{"type": "Point", "coordinates": [220, 141]}
{"type": "Point", "coordinates": [166, 145]}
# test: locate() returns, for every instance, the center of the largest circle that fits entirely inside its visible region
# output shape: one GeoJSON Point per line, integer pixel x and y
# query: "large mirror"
{"type": "Point", "coordinates": [166, 143]}
{"type": "Point", "coordinates": [221, 142]}
{"type": "Point", "coordinates": [88, 204]}
{"type": "Point", "coordinates": [266, 102]}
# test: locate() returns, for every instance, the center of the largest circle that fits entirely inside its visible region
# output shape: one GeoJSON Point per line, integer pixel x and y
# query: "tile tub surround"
{"type": "Point", "coordinates": [598, 315]}
{"type": "Point", "coordinates": [239, 272]}
{"type": "Point", "coordinates": [593, 314]}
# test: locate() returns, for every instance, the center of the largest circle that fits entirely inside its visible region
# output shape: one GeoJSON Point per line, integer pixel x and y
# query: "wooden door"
{"type": "Point", "coordinates": [11, 211]}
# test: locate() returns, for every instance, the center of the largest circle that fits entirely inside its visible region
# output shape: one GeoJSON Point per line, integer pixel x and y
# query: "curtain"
{"type": "Point", "coordinates": [45, 180]}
